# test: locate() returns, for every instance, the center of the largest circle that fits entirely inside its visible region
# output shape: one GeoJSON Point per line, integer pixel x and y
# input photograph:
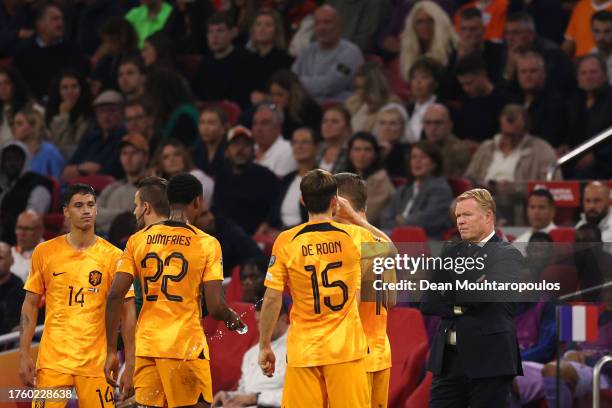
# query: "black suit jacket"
{"type": "Point", "coordinates": [486, 334]}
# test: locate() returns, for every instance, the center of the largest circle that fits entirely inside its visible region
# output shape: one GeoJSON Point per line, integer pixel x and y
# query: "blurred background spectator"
{"type": "Point", "coordinates": [148, 18]}
{"type": "Point", "coordinates": [393, 135]}
{"type": "Point", "coordinates": [28, 233]}
{"type": "Point", "coordinates": [540, 214]}
{"type": "Point", "coordinates": [425, 202]}
{"type": "Point", "coordinates": [11, 292]}
{"type": "Point", "coordinates": [335, 130]}
{"type": "Point", "coordinates": [365, 159]}
{"type": "Point", "coordinates": [14, 96]}
{"type": "Point", "coordinates": [209, 151]}
{"type": "Point", "coordinates": [272, 150]}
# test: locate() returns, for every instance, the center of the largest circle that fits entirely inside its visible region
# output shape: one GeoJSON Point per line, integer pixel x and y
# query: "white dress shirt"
{"type": "Point", "coordinates": [278, 158]}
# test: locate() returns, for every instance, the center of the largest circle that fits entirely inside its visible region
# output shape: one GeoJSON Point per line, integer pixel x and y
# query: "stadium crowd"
{"type": "Point", "coordinates": [422, 99]}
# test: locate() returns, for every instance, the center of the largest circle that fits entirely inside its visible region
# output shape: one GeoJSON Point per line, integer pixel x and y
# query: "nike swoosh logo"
{"type": "Point", "coordinates": [58, 273]}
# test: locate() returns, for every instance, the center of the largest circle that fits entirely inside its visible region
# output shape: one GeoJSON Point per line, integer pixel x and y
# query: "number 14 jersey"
{"type": "Point", "coordinates": [320, 263]}
{"type": "Point", "coordinates": [75, 284]}
{"type": "Point", "coordinates": [172, 261]}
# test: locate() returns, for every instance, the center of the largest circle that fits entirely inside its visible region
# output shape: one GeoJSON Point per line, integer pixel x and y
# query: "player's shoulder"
{"type": "Point", "coordinates": [106, 247]}
{"type": "Point", "coordinates": [51, 245]}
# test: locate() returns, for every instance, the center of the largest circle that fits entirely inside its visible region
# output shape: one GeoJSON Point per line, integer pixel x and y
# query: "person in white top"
{"type": "Point", "coordinates": [540, 213]}
{"type": "Point", "coordinates": [595, 203]}
{"type": "Point", "coordinates": [271, 149]}
{"type": "Point", "coordinates": [255, 389]}
{"type": "Point", "coordinates": [424, 80]}
{"type": "Point", "coordinates": [29, 233]}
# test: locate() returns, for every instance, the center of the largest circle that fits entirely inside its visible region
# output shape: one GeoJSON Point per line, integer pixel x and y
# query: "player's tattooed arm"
{"type": "Point", "coordinates": [27, 328]}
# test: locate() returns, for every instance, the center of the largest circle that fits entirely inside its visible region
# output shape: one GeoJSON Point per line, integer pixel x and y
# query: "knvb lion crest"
{"type": "Point", "coordinates": [95, 278]}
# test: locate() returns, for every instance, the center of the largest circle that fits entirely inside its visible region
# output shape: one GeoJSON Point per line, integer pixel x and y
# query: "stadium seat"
{"type": "Point", "coordinates": [420, 397]}
{"type": "Point", "coordinates": [231, 109]}
{"type": "Point", "coordinates": [449, 234]}
{"type": "Point", "coordinates": [53, 224]}
{"type": "Point", "coordinates": [6, 62]}
{"type": "Point", "coordinates": [399, 85]}
{"type": "Point", "coordinates": [565, 275]}
{"type": "Point", "coordinates": [265, 242]}
{"type": "Point", "coordinates": [399, 181]}
{"type": "Point", "coordinates": [413, 238]}
{"type": "Point", "coordinates": [325, 105]}
{"type": "Point", "coordinates": [56, 195]}
{"type": "Point", "coordinates": [459, 185]}
{"type": "Point", "coordinates": [563, 234]}
{"type": "Point", "coordinates": [227, 348]}
{"type": "Point", "coordinates": [374, 58]}
{"type": "Point", "coordinates": [409, 352]}
{"type": "Point", "coordinates": [190, 63]}
{"type": "Point", "coordinates": [233, 292]}
{"type": "Point", "coordinates": [565, 216]}
{"type": "Point", "coordinates": [97, 181]}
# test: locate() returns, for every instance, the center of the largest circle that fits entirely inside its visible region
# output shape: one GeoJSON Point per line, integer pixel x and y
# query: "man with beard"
{"type": "Point", "coordinates": [596, 211]}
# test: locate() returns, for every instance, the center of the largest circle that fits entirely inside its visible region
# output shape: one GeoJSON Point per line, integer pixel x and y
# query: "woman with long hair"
{"type": "Point", "coordinates": [209, 152]}
{"type": "Point", "coordinates": [335, 131]}
{"type": "Point", "coordinates": [30, 129]}
{"type": "Point", "coordinates": [266, 53]}
{"type": "Point", "coordinates": [299, 108]}
{"type": "Point", "coordinates": [69, 111]}
{"type": "Point", "coordinates": [371, 93]}
{"type": "Point", "coordinates": [172, 158]}
{"type": "Point", "coordinates": [428, 32]}
{"type": "Point", "coordinates": [243, 13]}
{"type": "Point", "coordinates": [173, 105]}
{"type": "Point", "coordinates": [158, 52]}
{"type": "Point", "coordinates": [425, 76]}
{"type": "Point", "coordinates": [365, 159]}
{"type": "Point", "coordinates": [425, 202]}
{"type": "Point", "coordinates": [14, 96]}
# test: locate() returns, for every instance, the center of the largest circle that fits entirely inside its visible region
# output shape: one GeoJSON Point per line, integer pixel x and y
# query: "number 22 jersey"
{"type": "Point", "coordinates": [172, 260]}
{"type": "Point", "coordinates": [75, 284]}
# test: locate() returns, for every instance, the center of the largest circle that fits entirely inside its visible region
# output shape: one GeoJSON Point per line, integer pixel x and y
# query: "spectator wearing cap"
{"type": "Point", "coordinates": [148, 18]}
{"type": "Point", "coordinates": [97, 151]}
{"type": "Point", "coordinates": [118, 197]}
{"type": "Point", "coordinates": [244, 190]}
{"type": "Point", "coordinates": [42, 56]}
{"type": "Point", "coordinates": [271, 149]}
{"type": "Point", "coordinates": [540, 213]}
{"type": "Point", "coordinates": [326, 67]}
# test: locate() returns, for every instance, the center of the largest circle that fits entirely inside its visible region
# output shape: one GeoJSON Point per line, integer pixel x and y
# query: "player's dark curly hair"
{"type": "Point", "coordinates": [183, 189]}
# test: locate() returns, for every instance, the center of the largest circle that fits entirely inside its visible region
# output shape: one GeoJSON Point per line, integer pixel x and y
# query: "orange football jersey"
{"type": "Point", "coordinates": [75, 284]}
{"type": "Point", "coordinates": [320, 263]}
{"type": "Point", "coordinates": [172, 261]}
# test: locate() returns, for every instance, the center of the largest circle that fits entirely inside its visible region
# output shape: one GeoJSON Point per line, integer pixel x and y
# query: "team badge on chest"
{"type": "Point", "coordinates": [95, 278]}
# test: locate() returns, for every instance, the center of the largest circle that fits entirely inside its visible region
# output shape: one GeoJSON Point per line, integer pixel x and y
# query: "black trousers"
{"type": "Point", "coordinates": [453, 389]}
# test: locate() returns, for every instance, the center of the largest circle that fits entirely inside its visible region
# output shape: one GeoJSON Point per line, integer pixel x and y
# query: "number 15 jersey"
{"type": "Point", "coordinates": [172, 260]}
{"type": "Point", "coordinates": [320, 263]}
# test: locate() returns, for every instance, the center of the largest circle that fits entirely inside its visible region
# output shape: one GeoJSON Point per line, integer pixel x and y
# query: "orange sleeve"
{"type": "Point", "coordinates": [36, 281]}
{"type": "Point", "coordinates": [276, 277]}
{"type": "Point", "coordinates": [571, 32]}
{"type": "Point", "coordinates": [213, 269]}
{"type": "Point", "coordinates": [126, 262]}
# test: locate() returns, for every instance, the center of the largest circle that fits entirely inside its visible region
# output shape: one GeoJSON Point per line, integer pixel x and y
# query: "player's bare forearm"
{"type": "Point", "coordinates": [114, 302]}
{"type": "Point", "coordinates": [390, 276]}
{"type": "Point", "coordinates": [270, 310]}
{"type": "Point", "coordinates": [128, 329]}
{"type": "Point", "coordinates": [215, 303]}
{"type": "Point", "coordinates": [27, 325]}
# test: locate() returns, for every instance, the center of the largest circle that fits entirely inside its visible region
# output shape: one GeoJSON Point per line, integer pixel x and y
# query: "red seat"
{"type": "Point", "coordinates": [227, 348]}
{"type": "Point", "coordinates": [325, 105]}
{"type": "Point", "coordinates": [375, 59]}
{"type": "Point", "coordinates": [565, 275]}
{"type": "Point", "coordinates": [231, 109]}
{"type": "Point", "coordinates": [409, 352]}
{"type": "Point", "coordinates": [459, 185]}
{"type": "Point", "coordinates": [399, 181]}
{"type": "Point", "coordinates": [233, 292]}
{"type": "Point", "coordinates": [413, 238]}
{"type": "Point", "coordinates": [397, 82]}
{"type": "Point", "coordinates": [6, 62]}
{"type": "Point", "coordinates": [420, 397]}
{"type": "Point", "coordinates": [563, 234]}
{"type": "Point", "coordinates": [449, 234]}
{"type": "Point", "coordinates": [53, 224]}
{"type": "Point", "coordinates": [56, 195]}
{"type": "Point", "coordinates": [190, 62]}
{"type": "Point", "coordinates": [97, 181]}
{"type": "Point", "coordinates": [565, 216]}
{"type": "Point", "coordinates": [265, 242]}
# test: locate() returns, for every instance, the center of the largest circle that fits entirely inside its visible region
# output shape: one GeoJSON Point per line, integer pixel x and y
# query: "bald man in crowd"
{"type": "Point", "coordinates": [326, 67]}
{"type": "Point", "coordinates": [438, 129]}
{"type": "Point", "coordinates": [596, 211]}
{"type": "Point", "coordinates": [29, 233]}
{"type": "Point", "coordinates": [11, 292]}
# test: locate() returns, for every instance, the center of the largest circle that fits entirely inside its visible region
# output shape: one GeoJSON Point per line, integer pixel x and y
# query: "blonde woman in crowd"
{"type": "Point", "coordinates": [394, 137]}
{"type": "Point", "coordinates": [371, 93]}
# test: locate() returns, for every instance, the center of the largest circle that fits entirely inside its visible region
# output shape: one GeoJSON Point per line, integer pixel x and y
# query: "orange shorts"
{"type": "Point", "coordinates": [92, 392]}
{"type": "Point", "coordinates": [379, 387]}
{"type": "Point", "coordinates": [165, 381]}
{"type": "Point", "coordinates": [343, 385]}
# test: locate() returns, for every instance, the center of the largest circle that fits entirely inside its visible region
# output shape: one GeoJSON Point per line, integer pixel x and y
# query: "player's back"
{"type": "Point", "coordinates": [320, 263]}
{"type": "Point", "coordinates": [172, 260]}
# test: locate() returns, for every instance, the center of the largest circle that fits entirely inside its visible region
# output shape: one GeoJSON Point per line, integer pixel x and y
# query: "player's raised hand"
{"type": "Point", "coordinates": [220, 399]}
{"type": "Point", "coordinates": [267, 361]}
{"type": "Point", "coordinates": [27, 370]}
{"type": "Point", "coordinates": [111, 368]}
{"type": "Point", "coordinates": [346, 213]}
